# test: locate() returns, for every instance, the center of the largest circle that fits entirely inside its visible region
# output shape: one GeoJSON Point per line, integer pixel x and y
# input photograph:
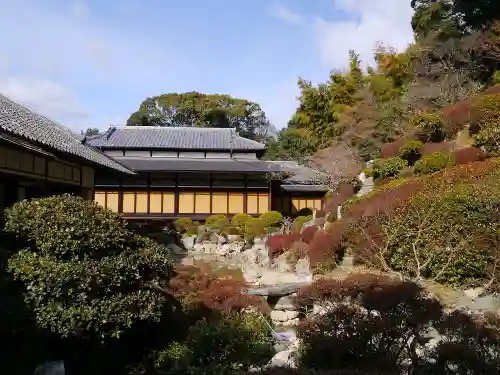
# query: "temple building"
{"type": "Point", "coordinates": [39, 157]}
{"type": "Point", "coordinates": [196, 172]}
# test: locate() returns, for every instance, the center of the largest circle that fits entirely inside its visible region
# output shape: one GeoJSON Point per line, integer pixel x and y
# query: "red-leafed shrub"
{"type": "Point", "coordinates": [308, 234]}
{"type": "Point", "coordinates": [327, 246]}
{"type": "Point", "coordinates": [198, 289]}
{"type": "Point", "coordinates": [461, 114]}
{"type": "Point", "coordinates": [384, 200]}
{"type": "Point", "coordinates": [389, 150]}
{"type": "Point", "coordinates": [469, 155]}
{"type": "Point", "coordinates": [338, 197]}
{"type": "Point", "coordinates": [279, 243]}
{"type": "Point", "coordinates": [432, 147]}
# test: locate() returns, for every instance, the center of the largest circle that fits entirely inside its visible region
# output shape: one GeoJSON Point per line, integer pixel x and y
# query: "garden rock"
{"type": "Point", "coordinates": [282, 263]}
{"type": "Point", "coordinates": [285, 303]}
{"type": "Point", "coordinates": [303, 270]}
{"type": "Point", "coordinates": [188, 242]}
{"type": "Point", "coordinates": [50, 368]}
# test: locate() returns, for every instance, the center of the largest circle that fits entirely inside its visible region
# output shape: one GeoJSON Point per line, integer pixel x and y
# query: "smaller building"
{"type": "Point", "coordinates": [39, 157]}
{"type": "Point", "coordinates": [197, 172]}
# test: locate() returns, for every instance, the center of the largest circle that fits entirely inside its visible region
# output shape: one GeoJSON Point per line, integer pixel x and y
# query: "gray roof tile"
{"type": "Point", "coordinates": [198, 165]}
{"type": "Point", "coordinates": [155, 137]}
{"type": "Point", "coordinates": [22, 122]}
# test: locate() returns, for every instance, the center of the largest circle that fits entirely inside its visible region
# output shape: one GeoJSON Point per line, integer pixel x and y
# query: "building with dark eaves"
{"type": "Point", "coordinates": [39, 157]}
{"type": "Point", "coordinates": [197, 172]}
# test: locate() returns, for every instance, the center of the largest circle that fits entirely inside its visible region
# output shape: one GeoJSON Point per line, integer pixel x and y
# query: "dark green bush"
{"type": "Point", "coordinates": [229, 346]}
{"type": "Point", "coordinates": [240, 219]}
{"type": "Point", "coordinates": [450, 237]}
{"type": "Point", "coordinates": [383, 168]}
{"type": "Point", "coordinates": [299, 221]}
{"type": "Point", "coordinates": [433, 162]}
{"type": "Point", "coordinates": [211, 221]}
{"type": "Point", "coordinates": [271, 219]}
{"type": "Point", "coordinates": [84, 272]}
{"type": "Point", "coordinates": [254, 227]}
{"type": "Point", "coordinates": [411, 151]}
{"type": "Point", "coordinates": [430, 125]}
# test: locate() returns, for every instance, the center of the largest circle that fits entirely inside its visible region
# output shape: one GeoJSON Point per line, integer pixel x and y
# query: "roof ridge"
{"type": "Point", "coordinates": [65, 128]}
{"type": "Point", "coordinates": [128, 127]}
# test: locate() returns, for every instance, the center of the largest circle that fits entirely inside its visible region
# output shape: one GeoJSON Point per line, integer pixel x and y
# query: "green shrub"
{"type": "Point", "coordinates": [271, 219]}
{"type": "Point", "coordinates": [450, 237]}
{"type": "Point", "coordinates": [84, 272]}
{"type": "Point", "coordinates": [192, 230]}
{"type": "Point", "coordinates": [212, 220]}
{"type": "Point", "coordinates": [433, 162]}
{"type": "Point", "coordinates": [410, 151]}
{"type": "Point", "coordinates": [368, 172]}
{"type": "Point", "coordinates": [254, 227]}
{"type": "Point", "coordinates": [229, 346]}
{"type": "Point", "coordinates": [496, 77]}
{"type": "Point", "coordinates": [431, 126]}
{"type": "Point", "coordinates": [299, 221]}
{"type": "Point", "coordinates": [240, 219]}
{"type": "Point", "coordinates": [328, 194]}
{"type": "Point", "coordinates": [383, 168]}
{"type": "Point", "coordinates": [182, 224]}
{"type": "Point", "coordinates": [486, 123]}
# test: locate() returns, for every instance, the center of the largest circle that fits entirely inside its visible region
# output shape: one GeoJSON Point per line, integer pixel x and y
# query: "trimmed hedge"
{"type": "Point", "coordinates": [271, 219]}
{"type": "Point", "coordinates": [433, 163]}
{"type": "Point", "coordinates": [383, 168]}
{"type": "Point", "coordinates": [430, 125]}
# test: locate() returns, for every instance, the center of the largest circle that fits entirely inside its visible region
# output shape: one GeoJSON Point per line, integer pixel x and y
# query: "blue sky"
{"type": "Point", "coordinates": [91, 63]}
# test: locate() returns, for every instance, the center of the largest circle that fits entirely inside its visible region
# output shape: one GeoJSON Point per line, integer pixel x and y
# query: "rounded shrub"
{"type": "Point", "coordinates": [240, 219]}
{"type": "Point", "coordinates": [212, 220]}
{"type": "Point", "coordinates": [308, 234]}
{"type": "Point", "coordinates": [299, 221]}
{"type": "Point", "coordinates": [383, 168]}
{"type": "Point", "coordinates": [496, 77]}
{"type": "Point", "coordinates": [254, 227]}
{"type": "Point", "coordinates": [280, 243]}
{"type": "Point", "coordinates": [430, 125]}
{"type": "Point", "coordinates": [450, 236]}
{"type": "Point", "coordinates": [410, 151]}
{"type": "Point", "coordinates": [433, 163]}
{"type": "Point", "coordinates": [468, 155]}
{"type": "Point", "coordinates": [85, 273]}
{"type": "Point", "coordinates": [182, 224]}
{"type": "Point", "coordinates": [271, 219]}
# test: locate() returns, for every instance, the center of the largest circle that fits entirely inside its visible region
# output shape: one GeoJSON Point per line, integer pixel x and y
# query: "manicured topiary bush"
{"type": "Point", "coordinates": [327, 246]}
{"type": "Point", "coordinates": [486, 123]}
{"type": "Point", "coordinates": [271, 219]}
{"type": "Point", "coordinates": [299, 221]}
{"type": "Point", "coordinates": [230, 345]}
{"type": "Point", "coordinates": [433, 163]}
{"type": "Point", "coordinates": [410, 151]}
{"type": "Point", "coordinates": [254, 227]}
{"type": "Point", "coordinates": [447, 236]}
{"type": "Point", "coordinates": [212, 220]}
{"type": "Point", "coordinates": [85, 273]}
{"type": "Point", "coordinates": [240, 219]}
{"type": "Point", "coordinates": [383, 168]}
{"type": "Point", "coordinates": [430, 126]}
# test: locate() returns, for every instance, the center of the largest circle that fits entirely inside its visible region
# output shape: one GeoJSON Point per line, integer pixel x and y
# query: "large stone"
{"type": "Point", "coordinates": [283, 359]}
{"type": "Point", "coordinates": [188, 242]}
{"type": "Point", "coordinates": [51, 368]}
{"type": "Point", "coordinates": [303, 270]}
{"type": "Point", "coordinates": [209, 247]}
{"type": "Point", "coordinates": [283, 315]}
{"type": "Point", "coordinates": [474, 293]}
{"type": "Point", "coordinates": [278, 290]}
{"type": "Point", "coordinates": [198, 247]}
{"type": "Point", "coordinates": [291, 322]}
{"type": "Point", "coordinates": [285, 303]}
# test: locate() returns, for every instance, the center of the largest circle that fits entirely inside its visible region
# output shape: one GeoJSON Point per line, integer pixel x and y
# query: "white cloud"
{"type": "Point", "coordinates": [44, 96]}
{"type": "Point", "coordinates": [286, 15]}
{"type": "Point", "coordinates": [370, 22]}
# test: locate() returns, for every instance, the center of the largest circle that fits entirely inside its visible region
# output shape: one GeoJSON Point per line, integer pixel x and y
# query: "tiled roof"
{"type": "Point", "coordinates": [198, 165]}
{"type": "Point", "coordinates": [22, 122]}
{"type": "Point", "coordinates": [300, 174]}
{"type": "Point", "coordinates": [155, 137]}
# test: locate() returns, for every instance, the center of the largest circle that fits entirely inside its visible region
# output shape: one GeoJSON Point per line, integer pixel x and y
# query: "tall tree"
{"type": "Point", "coordinates": [90, 131]}
{"type": "Point", "coordinates": [194, 109]}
